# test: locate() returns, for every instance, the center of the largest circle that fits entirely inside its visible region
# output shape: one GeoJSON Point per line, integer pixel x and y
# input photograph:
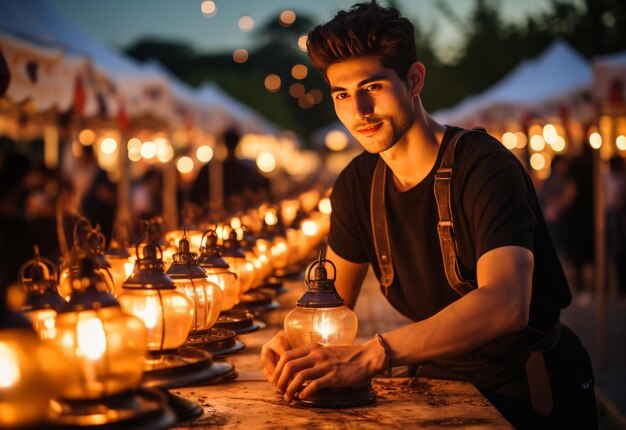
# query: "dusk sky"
{"type": "Point", "coordinates": [121, 22]}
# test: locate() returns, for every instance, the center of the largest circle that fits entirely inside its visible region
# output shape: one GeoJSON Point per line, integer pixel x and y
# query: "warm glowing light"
{"type": "Point", "coordinates": [235, 223]}
{"type": "Point", "coordinates": [302, 42]}
{"type": "Point", "coordinates": [134, 149]}
{"type": "Point", "coordinates": [246, 23]}
{"type": "Point", "coordinates": [336, 140]}
{"type": "Point", "coordinates": [266, 162]}
{"type": "Point", "coordinates": [535, 129]}
{"type": "Point", "coordinates": [287, 17]}
{"type": "Point", "coordinates": [10, 373]}
{"type": "Point", "coordinates": [208, 8]}
{"type": "Point", "coordinates": [620, 142]}
{"type": "Point", "coordinates": [148, 150]}
{"type": "Point", "coordinates": [595, 140]}
{"type": "Point", "coordinates": [299, 71]}
{"type": "Point", "coordinates": [324, 206]}
{"type": "Point", "coordinates": [550, 134]}
{"type": "Point", "coordinates": [204, 153]}
{"type": "Point", "coordinates": [537, 161]}
{"type": "Point", "coordinates": [108, 145]}
{"type": "Point", "coordinates": [165, 153]}
{"type": "Point", "coordinates": [147, 311]}
{"type": "Point", "coordinates": [537, 143]}
{"type": "Point", "coordinates": [296, 90]}
{"type": "Point", "coordinates": [91, 338]}
{"type": "Point", "coordinates": [309, 228]}
{"type": "Point", "coordinates": [272, 82]}
{"type": "Point", "coordinates": [306, 101]}
{"type": "Point", "coordinates": [509, 140]}
{"type": "Point", "coordinates": [270, 218]}
{"type": "Point", "coordinates": [522, 140]}
{"type": "Point", "coordinates": [317, 95]}
{"type": "Point", "coordinates": [86, 137]}
{"type": "Point", "coordinates": [559, 144]}
{"type": "Point", "coordinates": [240, 56]}
{"type": "Point", "coordinates": [184, 164]}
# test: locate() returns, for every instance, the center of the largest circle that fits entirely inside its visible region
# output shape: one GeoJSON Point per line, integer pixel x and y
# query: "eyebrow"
{"type": "Point", "coordinates": [362, 83]}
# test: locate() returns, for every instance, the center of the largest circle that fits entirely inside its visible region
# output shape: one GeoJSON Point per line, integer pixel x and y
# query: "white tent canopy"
{"type": "Point", "coordinates": [609, 72]}
{"type": "Point", "coordinates": [557, 74]}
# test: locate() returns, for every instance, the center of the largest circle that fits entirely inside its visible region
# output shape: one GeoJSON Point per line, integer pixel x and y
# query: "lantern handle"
{"type": "Point", "coordinates": [82, 222]}
{"type": "Point", "coordinates": [49, 269]}
{"type": "Point", "coordinates": [320, 261]}
{"type": "Point", "coordinates": [147, 241]}
{"type": "Point", "coordinates": [209, 231]}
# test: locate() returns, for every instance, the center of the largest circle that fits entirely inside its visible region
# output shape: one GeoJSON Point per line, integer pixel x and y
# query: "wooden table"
{"type": "Point", "coordinates": [250, 402]}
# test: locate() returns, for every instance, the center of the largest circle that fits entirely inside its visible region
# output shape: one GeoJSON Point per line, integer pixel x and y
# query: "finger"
{"type": "Point", "coordinates": [291, 369]}
{"type": "Point", "coordinates": [315, 385]}
{"type": "Point", "coordinates": [300, 378]}
{"type": "Point", "coordinates": [269, 359]}
{"type": "Point", "coordinates": [293, 354]}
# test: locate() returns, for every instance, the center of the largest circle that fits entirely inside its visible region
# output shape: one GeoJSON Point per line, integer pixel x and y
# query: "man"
{"type": "Point", "coordinates": [489, 336]}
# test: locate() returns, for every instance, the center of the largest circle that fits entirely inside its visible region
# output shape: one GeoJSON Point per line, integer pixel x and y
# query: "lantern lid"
{"type": "Point", "coordinates": [232, 248]}
{"type": "Point", "coordinates": [88, 296]}
{"type": "Point", "coordinates": [184, 264]}
{"type": "Point", "coordinates": [148, 272]}
{"type": "Point", "coordinates": [38, 278]}
{"type": "Point", "coordinates": [211, 252]}
{"type": "Point", "coordinates": [320, 291]}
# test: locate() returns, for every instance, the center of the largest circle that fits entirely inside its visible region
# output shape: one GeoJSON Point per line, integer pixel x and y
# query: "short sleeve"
{"type": "Point", "coordinates": [497, 200]}
{"type": "Point", "coordinates": [345, 236]}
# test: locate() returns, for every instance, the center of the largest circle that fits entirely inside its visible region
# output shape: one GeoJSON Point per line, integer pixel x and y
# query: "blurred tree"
{"type": "Point", "coordinates": [491, 47]}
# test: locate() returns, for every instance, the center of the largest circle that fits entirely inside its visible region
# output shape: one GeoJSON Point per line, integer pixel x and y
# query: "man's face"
{"type": "Point", "coordinates": [372, 101]}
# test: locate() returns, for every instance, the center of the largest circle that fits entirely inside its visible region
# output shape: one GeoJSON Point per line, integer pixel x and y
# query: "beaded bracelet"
{"type": "Point", "coordinates": [387, 353]}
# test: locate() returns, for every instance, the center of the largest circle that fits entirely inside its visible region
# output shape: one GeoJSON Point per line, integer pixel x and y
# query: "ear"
{"type": "Point", "coordinates": [415, 78]}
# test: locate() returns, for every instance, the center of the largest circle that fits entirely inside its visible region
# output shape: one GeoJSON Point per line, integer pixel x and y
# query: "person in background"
{"type": "Point", "coordinates": [243, 184]}
{"type": "Point", "coordinates": [502, 331]}
{"type": "Point", "coordinates": [615, 212]}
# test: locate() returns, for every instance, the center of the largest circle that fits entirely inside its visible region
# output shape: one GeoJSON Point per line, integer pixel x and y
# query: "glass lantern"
{"type": "Point", "coordinates": [321, 315]}
{"type": "Point", "coordinates": [151, 295]}
{"type": "Point", "coordinates": [103, 346]}
{"type": "Point", "coordinates": [37, 278]}
{"type": "Point", "coordinates": [191, 279]}
{"type": "Point", "coordinates": [32, 373]}
{"type": "Point", "coordinates": [235, 256]}
{"type": "Point", "coordinates": [218, 270]}
{"type": "Point", "coordinates": [87, 241]}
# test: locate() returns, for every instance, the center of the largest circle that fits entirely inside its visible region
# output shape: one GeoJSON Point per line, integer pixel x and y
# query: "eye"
{"type": "Point", "coordinates": [341, 96]}
{"type": "Point", "coordinates": [373, 87]}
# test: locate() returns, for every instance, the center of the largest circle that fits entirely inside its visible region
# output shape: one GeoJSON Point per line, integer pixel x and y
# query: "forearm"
{"type": "Point", "coordinates": [468, 323]}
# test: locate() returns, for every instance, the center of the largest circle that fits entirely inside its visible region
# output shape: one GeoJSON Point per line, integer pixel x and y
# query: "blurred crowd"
{"type": "Point", "coordinates": [567, 197]}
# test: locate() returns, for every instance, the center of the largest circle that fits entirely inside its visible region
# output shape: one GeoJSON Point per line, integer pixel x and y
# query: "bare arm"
{"type": "Point", "coordinates": [499, 306]}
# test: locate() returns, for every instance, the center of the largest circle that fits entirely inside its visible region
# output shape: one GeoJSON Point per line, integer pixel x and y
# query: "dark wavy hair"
{"type": "Point", "coordinates": [365, 29]}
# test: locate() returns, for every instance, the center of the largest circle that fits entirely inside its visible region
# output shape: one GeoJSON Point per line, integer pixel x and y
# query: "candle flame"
{"type": "Point", "coordinates": [10, 373]}
{"type": "Point", "coordinates": [92, 341]}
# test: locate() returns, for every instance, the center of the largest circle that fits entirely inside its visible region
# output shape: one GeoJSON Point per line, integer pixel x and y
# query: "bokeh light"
{"type": "Point", "coordinates": [204, 153]}
{"type": "Point", "coordinates": [148, 150]}
{"type": "Point", "coordinates": [620, 142]}
{"type": "Point", "coordinates": [86, 137]}
{"type": "Point", "coordinates": [246, 23]}
{"type": "Point", "coordinates": [272, 82]}
{"type": "Point", "coordinates": [336, 140]}
{"type": "Point", "coordinates": [266, 162]}
{"type": "Point", "coordinates": [299, 71]}
{"type": "Point", "coordinates": [287, 18]}
{"type": "Point", "coordinates": [595, 140]}
{"type": "Point", "coordinates": [537, 161]}
{"type": "Point", "coordinates": [108, 145]}
{"type": "Point", "coordinates": [240, 56]}
{"type": "Point", "coordinates": [302, 42]}
{"type": "Point", "coordinates": [208, 8]}
{"type": "Point", "coordinates": [184, 164]}
{"type": "Point", "coordinates": [509, 140]}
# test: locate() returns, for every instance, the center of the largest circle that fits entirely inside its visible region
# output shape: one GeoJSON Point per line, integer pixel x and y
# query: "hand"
{"type": "Point", "coordinates": [327, 367]}
{"type": "Point", "coordinates": [272, 351]}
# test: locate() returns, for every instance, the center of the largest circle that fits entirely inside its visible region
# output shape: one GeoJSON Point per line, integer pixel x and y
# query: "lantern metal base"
{"type": "Point", "coordinates": [185, 367]}
{"type": "Point", "coordinates": [239, 320]}
{"type": "Point", "coordinates": [220, 342]}
{"type": "Point", "coordinates": [259, 300]}
{"type": "Point", "coordinates": [339, 398]}
{"type": "Point", "coordinates": [184, 408]}
{"type": "Point", "coordinates": [139, 408]}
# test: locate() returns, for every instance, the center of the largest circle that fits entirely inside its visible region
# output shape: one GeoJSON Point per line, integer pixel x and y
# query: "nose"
{"type": "Point", "coordinates": [363, 107]}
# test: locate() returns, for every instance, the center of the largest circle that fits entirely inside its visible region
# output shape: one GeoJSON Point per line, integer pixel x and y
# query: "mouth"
{"type": "Point", "coordinates": [369, 129]}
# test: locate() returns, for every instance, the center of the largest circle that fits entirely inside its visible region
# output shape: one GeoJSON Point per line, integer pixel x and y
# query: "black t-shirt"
{"type": "Point", "coordinates": [494, 205]}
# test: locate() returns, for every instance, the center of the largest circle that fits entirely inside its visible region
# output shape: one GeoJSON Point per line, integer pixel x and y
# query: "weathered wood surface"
{"type": "Point", "coordinates": [251, 402]}
{"type": "Point", "coordinates": [402, 403]}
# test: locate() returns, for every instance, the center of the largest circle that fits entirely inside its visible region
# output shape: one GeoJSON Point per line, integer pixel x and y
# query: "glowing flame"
{"type": "Point", "coordinates": [10, 373]}
{"type": "Point", "coordinates": [92, 341]}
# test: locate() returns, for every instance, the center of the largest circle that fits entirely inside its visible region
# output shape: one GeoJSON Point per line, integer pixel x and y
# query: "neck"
{"type": "Point", "coordinates": [413, 156]}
